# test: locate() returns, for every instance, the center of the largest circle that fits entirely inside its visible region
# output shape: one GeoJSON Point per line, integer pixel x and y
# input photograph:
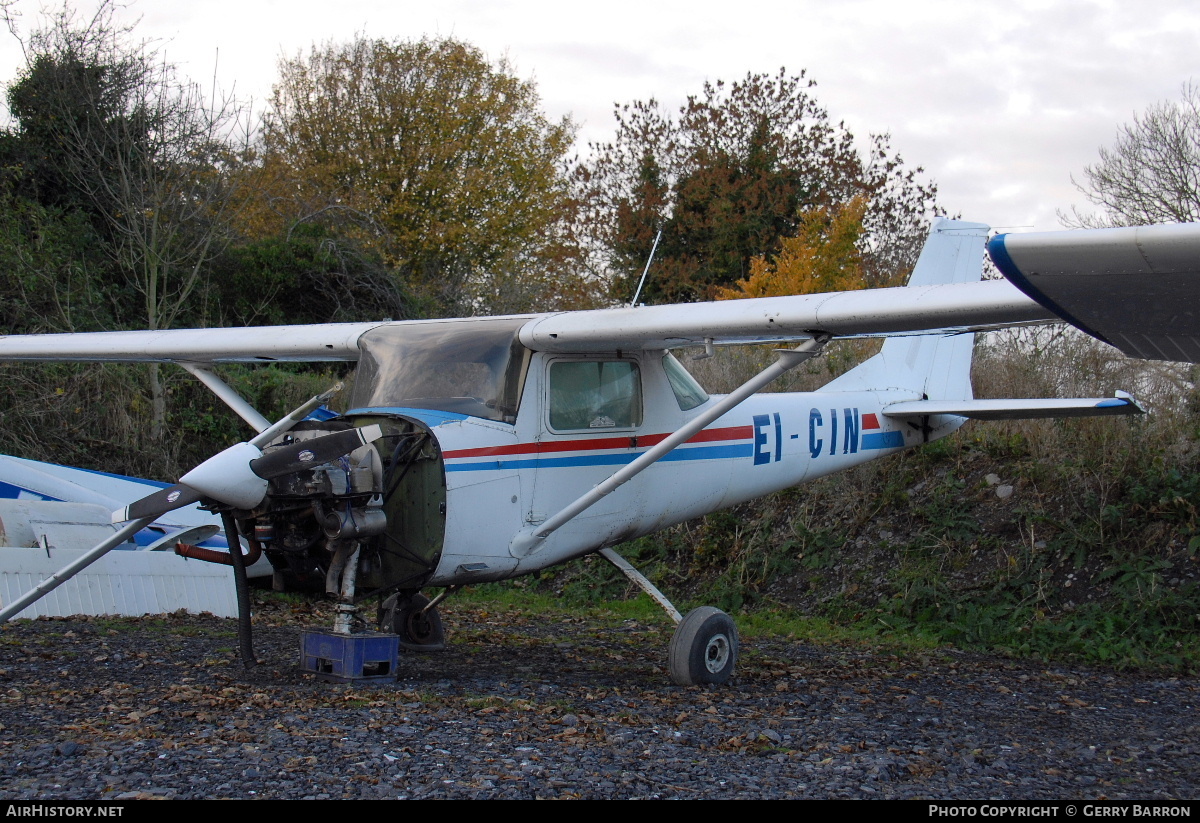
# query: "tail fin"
{"type": "Point", "coordinates": [932, 366]}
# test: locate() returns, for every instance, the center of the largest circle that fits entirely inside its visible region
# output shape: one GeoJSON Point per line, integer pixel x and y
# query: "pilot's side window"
{"type": "Point", "coordinates": [595, 394]}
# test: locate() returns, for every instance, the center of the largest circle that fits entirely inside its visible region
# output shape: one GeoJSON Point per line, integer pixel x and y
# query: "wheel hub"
{"type": "Point", "coordinates": [716, 653]}
{"type": "Point", "coordinates": [419, 628]}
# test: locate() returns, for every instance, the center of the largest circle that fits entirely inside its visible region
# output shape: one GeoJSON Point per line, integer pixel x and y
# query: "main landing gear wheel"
{"type": "Point", "coordinates": [703, 649]}
{"type": "Point", "coordinates": [420, 629]}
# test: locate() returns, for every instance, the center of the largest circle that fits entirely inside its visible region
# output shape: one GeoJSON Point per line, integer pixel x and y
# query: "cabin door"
{"type": "Point", "coordinates": [592, 418]}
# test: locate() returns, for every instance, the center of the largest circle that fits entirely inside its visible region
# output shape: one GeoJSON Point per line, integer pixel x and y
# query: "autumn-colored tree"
{"type": "Point", "coordinates": [823, 256]}
{"type": "Point", "coordinates": [427, 152]}
{"type": "Point", "coordinates": [725, 180]}
{"type": "Point", "coordinates": [105, 125]}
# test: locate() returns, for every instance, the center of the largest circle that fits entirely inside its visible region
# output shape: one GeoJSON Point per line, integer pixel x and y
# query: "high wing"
{"type": "Point", "coordinates": [258, 344]}
{"type": "Point", "coordinates": [876, 312]}
{"type": "Point", "coordinates": [1134, 288]}
{"type": "Point", "coordinates": [927, 304]}
{"type": "Point", "coordinates": [1137, 289]}
{"type": "Point", "coordinates": [869, 313]}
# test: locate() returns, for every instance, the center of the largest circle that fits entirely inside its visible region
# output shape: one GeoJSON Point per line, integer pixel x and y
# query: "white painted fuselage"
{"type": "Point", "coordinates": [502, 479]}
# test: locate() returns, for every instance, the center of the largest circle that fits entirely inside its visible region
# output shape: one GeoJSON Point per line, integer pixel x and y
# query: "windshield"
{"type": "Point", "coordinates": [472, 367]}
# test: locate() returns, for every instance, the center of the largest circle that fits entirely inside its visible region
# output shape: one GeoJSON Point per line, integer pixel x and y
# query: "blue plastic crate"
{"type": "Point", "coordinates": [347, 658]}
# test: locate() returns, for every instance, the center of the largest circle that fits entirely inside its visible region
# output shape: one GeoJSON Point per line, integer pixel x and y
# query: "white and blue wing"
{"type": "Point", "coordinates": [1137, 289]}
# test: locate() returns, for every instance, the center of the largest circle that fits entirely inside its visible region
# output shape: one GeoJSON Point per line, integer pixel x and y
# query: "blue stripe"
{"type": "Point", "coordinates": [150, 534]}
{"type": "Point", "coordinates": [429, 417]}
{"type": "Point", "coordinates": [710, 452]}
{"type": "Point", "coordinates": [882, 440]}
{"type": "Point", "coordinates": [10, 492]}
{"type": "Point", "coordinates": [609, 459]}
{"type": "Point", "coordinates": [141, 481]}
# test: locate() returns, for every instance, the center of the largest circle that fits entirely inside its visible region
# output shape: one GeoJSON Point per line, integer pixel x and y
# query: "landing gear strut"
{"type": "Point", "coordinates": [704, 648]}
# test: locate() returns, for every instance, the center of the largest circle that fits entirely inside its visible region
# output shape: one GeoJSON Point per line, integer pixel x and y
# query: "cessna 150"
{"type": "Point", "coordinates": [482, 449]}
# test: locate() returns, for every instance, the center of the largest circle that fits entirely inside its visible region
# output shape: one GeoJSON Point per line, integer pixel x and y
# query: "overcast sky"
{"type": "Point", "coordinates": [1000, 102]}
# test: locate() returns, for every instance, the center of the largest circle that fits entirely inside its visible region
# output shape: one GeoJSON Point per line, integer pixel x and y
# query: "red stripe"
{"type": "Point", "coordinates": [600, 443]}
{"type": "Point", "coordinates": [870, 421]}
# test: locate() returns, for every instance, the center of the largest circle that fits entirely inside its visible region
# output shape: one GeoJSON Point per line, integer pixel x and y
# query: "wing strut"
{"type": "Point", "coordinates": [529, 540]}
{"type": "Point", "coordinates": [231, 398]}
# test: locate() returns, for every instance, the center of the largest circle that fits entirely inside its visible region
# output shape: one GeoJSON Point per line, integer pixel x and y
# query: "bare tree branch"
{"type": "Point", "coordinates": [1151, 174]}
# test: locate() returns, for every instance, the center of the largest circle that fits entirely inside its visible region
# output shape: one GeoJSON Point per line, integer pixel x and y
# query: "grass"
{"type": "Point", "coordinates": [1110, 581]}
{"type": "Point", "coordinates": [518, 596]}
{"type": "Point", "coordinates": [762, 623]}
{"type": "Point", "coordinates": [824, 631]}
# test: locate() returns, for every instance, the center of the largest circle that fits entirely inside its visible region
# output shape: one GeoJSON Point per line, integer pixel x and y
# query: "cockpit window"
{"type": "Point", "coordinates": [595, 394]}
{"type": "Point", "coordinates": [688, 392]}
{"type": "Point", "coordinates": [472, 367]}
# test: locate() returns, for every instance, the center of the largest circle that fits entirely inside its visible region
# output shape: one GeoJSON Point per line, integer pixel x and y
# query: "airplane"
{"type": "Point", "coordinates": [482, 449]}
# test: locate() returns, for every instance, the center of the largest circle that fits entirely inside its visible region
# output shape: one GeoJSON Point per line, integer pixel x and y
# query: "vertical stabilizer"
{"type": "Point", "coordinates": [933, 366]}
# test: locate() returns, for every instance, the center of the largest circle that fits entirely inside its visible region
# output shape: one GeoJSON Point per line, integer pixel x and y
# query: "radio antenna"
{"type": "Point", "coordinates": [646, 270]}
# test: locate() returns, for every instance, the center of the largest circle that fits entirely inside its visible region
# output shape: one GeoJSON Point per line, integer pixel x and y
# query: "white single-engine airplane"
{"type": "Point", "coordinates": [487, 448]}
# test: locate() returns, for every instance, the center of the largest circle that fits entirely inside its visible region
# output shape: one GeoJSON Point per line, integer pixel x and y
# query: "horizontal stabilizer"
{"type": "Point", "coordinates": [1017, 409]}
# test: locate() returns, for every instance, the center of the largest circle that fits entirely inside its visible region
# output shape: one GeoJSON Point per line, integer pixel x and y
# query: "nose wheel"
{"type": "Point", "coordinates": [703, 649]}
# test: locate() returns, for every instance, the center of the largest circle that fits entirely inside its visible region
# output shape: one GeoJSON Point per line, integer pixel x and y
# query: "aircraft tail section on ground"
{"type": "Point", "coordinates": [929, 366]}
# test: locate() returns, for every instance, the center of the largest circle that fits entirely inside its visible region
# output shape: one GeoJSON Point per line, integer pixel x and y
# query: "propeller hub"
{"type": "Point", "coordinates": [228, 478]}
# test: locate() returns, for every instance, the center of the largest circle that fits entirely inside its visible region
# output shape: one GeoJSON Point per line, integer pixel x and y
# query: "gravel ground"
{"type": "Point", "coordinates": [526, 706]}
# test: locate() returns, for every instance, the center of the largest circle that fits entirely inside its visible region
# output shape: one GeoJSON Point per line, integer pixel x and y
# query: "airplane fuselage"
{"type": "Point", "coordinates": [501, 478]}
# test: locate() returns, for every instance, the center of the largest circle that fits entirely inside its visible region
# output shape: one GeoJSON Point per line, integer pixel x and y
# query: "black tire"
{"type": "Point", "coordinates": [704, 648]}
{"type": "Point", "coordinates": [419, 629]}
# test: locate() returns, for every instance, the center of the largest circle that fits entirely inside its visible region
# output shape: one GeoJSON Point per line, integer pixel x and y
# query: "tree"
{"type": "Point", "coordinates": [311, 275]}
{"type": "Point", "coordinates": [108, 121]}
{"type": "Point", "coordinates": [727, 178]}
{"type": "Point", "coordinates": [437, 158]}
{"type": "Point", "coordinates": [823, 256]}
{"type": "Point", "coordinates": [50, 281]}
{"type": "Point", "coordinates": [1151, 174]}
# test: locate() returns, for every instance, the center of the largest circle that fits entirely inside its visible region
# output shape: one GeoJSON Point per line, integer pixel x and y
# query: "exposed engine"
{"type": "Point", "coordinates": [359, 525]}
{"type": "Point", "coordinates": [313, 520]}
